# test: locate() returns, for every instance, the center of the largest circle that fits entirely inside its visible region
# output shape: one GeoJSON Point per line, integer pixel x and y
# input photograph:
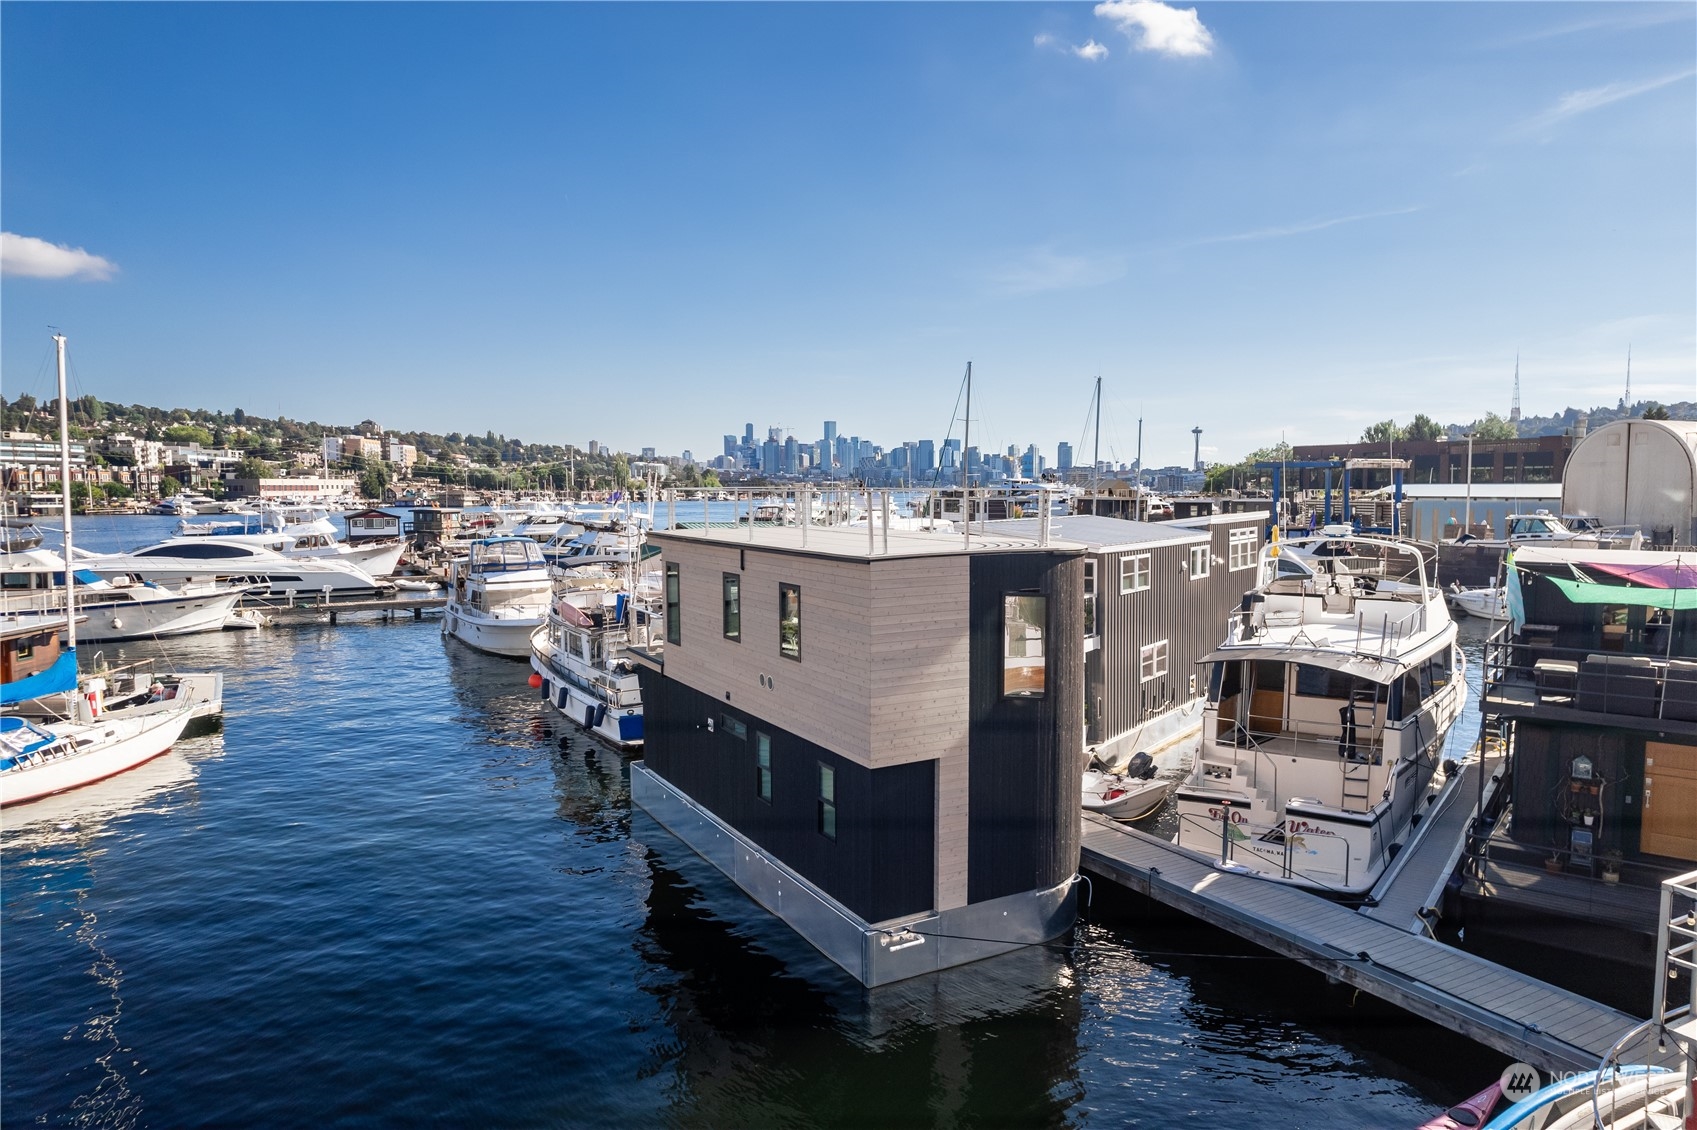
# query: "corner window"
{"type": "Point", "coordinates": [1198, 562]}
{"type": "Point", "coordinates": [789, 621]}
{"type": "Point", "coordinates": [1134, 572]}
{"type": "Point", "coordinates": [1152, 661]}
{"type": "Point", "coordinates": [674, 630]}
{"type": "Point", "coordinates": [733, 606]}
{"type": "Point", "coordinates": [827, 801]}
{"type": "Point", "coordinates": [1024, 620]}
{"type": "Point", "coordinates": [763, 766]}
{"type": "Point", "coordinates": [1242, 549]}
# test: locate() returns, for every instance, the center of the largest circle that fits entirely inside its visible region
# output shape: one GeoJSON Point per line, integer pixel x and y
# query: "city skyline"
{"type": "Point", "coordinates": [1269, 221]}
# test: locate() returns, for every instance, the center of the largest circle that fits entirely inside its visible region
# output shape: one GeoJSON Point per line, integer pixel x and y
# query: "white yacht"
{"type": "Point", "coordinates": [302, 531]}
{"type": "Point", "coordinates": [1326, 712]}
{"type": "Point", "coordinates": [579, 654]}
{"type": "Point", "coordinates": [498, 594]}
{"type": "Point", "coordinates": [608, 548]}
{"type": "Point", "coordinates": [178, 561]}
{"type": "Point", "coordinates": [120, 608]}
{"type": "Point", "coordinates": [1488, 603]}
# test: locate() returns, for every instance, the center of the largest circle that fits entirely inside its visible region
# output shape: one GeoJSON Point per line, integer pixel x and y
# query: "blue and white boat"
{"type": "Point", "coordinates": [579, 652]}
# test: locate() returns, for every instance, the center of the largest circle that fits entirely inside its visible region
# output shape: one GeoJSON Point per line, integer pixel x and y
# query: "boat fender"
{"type": "Point", "coordinates": [589, 717]}
{"type": "Point", "coordinates": [600, 714]}
{"type": "Point", "coordinates": [93, 704]}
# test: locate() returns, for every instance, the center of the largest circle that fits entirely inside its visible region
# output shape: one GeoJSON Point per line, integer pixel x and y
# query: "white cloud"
{"type": "Point", "coordinates": [28, 257]}
{"type": "Point", "coordinates": [1045, 269]}
{"type": "Point", "coordinates": [1582, 101]}
{"type": "Point", "coordinates": [1090, 50]}
{"type": "Point", "coordinates": [1304, 227]}
{"type": "Point", "coordinates": [1153, 26]}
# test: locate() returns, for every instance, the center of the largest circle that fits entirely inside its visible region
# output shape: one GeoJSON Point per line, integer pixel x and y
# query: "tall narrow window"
{"type": "Point", "coordinates": [763, 766]}
{"type": "Point", "coordinates": [827, 801]}
{"type": "Point", "coordinates": [1024, 620]}
{"type": "Point", "coordinates": [733, 606]}
{"type": "Point", "coordinates": [1134, 572]}
{"type": "Point", "coordinates": [789, 621]}
{"type": "Point", "coordinates": [674, 629]}
{"type": "Point", "coordinates": [1090, 596]}
{"type": "Point", "coordinates": [1198, 561]}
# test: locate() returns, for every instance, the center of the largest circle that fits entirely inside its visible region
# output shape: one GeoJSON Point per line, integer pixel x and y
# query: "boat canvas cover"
{"type": "Point", "coordinates": [57, 679]}
{"type": "Point", "coordinates": [1591, 592]}
{"type": "Point", "coordinates": [1369, 667]}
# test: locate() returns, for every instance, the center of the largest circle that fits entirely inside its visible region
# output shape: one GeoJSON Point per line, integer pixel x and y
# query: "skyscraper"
{"type": "Point", "coordinates": [1063, 456]}
{"type": "Point", "coordinates": [830, 437]}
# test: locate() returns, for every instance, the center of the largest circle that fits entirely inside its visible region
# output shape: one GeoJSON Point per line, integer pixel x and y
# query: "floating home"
{"type": "Point", "coordinates": [365, 526]}
{"type": "Point", "coordinates": [877, 734]}
{"type": "Point", "coordinates": [1157, 598]}
{"type": "Point", "coordinates": [1597, 694]}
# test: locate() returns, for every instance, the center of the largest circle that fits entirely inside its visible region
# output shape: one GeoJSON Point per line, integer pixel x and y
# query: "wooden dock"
{"type": "Point", "coordinates": [319, 609]}
{"type": "Point", "coordinates": [1520, 1016]}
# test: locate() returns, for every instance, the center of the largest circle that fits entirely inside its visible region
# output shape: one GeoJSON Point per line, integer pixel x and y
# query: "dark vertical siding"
{"type": "Point", "coordinates": [1025, 753]}
{"type": "Point", "coordinates": [1189, 614]}
{"type": "Point", "coordinates": [882, 863]}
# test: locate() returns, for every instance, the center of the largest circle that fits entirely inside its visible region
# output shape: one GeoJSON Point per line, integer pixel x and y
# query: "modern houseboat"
{"type": "Point", "coordinates": [1328, 705]}
{"type": "Point", "coordinates": [877, 734]}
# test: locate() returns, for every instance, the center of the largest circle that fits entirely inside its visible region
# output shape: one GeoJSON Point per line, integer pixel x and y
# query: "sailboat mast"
{"type": "Point", "coordinates": [1096, 449]}
{"type": "Point", "coordinates": [65, 495]}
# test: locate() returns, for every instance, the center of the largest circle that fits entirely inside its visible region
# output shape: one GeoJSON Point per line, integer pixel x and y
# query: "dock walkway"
{"type": "Point", "coordinates": [1534, 1022]}
{"type": "Point", "coordinates": [1415, 880]}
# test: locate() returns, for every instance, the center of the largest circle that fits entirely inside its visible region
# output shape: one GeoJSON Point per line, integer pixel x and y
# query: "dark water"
{"type": "Point", "coordinates": [397, 891]}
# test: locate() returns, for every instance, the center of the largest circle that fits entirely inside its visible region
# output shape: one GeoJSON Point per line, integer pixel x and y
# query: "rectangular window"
{"type": "Point", "coordinates": [1152, 661]}
{"type": "Point", "coordinates": [789, 621]}
{"type": "Point", "coordinates": [735, 727]}
{"type": "Point", "coordinates": [1242, 543]}
{"type": "Point", "coordinates": [1134, 573]}
{"type": "Point", "coordinates": [1090, 596]}
{"type": "Point", "coordinates": [1198, 562]}
{"type": "Point", "coordinates": [763, 766]}
{"type": "Point", "coordinates": [827, 801]}
{"type": "Point", "coordinates": [674, 629]}
{"type": "Point", "coordinates": [733, 607]}
{"type": "Point", "coordinates": [1024, 620]}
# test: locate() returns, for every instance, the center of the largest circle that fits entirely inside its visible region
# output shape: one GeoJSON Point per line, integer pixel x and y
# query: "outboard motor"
{"type": "Point", "coordinates": [1141, 766]}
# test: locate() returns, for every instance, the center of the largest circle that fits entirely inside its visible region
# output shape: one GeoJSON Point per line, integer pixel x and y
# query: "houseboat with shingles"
{"type": "Point", "coordinates": [1593, 682]}
{"type": "Point", "coordinates": [1155, 595]}
{"type": "Point", "coordinates": [876, 733]}
{"type": "Point", "coordinates": [1328, 705]}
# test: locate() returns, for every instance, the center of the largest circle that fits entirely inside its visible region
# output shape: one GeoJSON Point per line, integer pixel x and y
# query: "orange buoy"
{"type": "Point", "coordinates": [535, 680]}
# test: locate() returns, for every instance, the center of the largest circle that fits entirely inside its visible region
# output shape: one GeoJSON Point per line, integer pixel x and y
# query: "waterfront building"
{"type": "Point", "coordinates": [878, 738]}
{"type": "Point", "coordinates": [1157, 598]}
{"type": "Point", "coordinates": [1595, 693]}
{"type": "Point", "coordinates": [29, 462]}
{"type": "Point", "coordinates": [1537, 459]}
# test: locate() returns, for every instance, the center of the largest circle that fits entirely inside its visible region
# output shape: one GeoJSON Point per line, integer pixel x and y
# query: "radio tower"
{"type": "Point", "coordinates": [1626, 400]}
{"type": "Point", "coordinates": [1514, 409]}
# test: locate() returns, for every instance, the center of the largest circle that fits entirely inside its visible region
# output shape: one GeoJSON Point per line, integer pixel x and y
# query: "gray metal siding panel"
{"type": "Point", "coordinates": [1189, 614]}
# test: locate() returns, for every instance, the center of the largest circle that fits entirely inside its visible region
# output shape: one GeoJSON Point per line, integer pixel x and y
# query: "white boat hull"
{"type": "Point", "coordinates": [118, 744]}
{"type": "Point", "coordinates": [155, 619]}
{"type": "Point", "coordinates": [507, 635]}
{"type": "Point", "coordinates": [1122, 798]}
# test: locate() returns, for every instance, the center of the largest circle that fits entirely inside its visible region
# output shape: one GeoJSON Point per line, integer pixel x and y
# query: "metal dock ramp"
{"type": "Point", "coordinates": [1535, 1022]}
{"type": "Point", "coordinates": [1415, 880]}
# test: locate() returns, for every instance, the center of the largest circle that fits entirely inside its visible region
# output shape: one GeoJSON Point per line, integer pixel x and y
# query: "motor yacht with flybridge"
{"type": "Point", "coordinates": [1327, 708]}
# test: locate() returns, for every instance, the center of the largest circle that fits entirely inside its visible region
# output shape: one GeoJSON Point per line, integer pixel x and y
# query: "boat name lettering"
{"type": "Point", "coordinates": [1304, 828]}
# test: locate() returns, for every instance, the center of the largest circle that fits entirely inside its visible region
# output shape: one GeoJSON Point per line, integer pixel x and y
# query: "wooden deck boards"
{"type": "Point", "coordinates": [1515, 1014]}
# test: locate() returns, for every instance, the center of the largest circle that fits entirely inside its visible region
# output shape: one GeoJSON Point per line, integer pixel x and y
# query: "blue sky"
{"type": "Point", "coordinates": [648, 224]}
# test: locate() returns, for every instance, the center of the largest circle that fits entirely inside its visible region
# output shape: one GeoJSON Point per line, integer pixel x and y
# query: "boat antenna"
{"type": "Point", "coordinates": [65, 494]}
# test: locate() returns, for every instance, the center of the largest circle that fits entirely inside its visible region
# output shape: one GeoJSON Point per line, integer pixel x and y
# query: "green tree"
{"type": "Point", "coordinates": [1494, 427]}
{"type": "Point", "coordinates": [188, 433]}
{"type": "Point", "coordinates": [252, 468]}
{"type": "Point", "coordinates": [1423, 427]}
{"type": "Point", "coordinates": [79, 498]}
{"type": "Point", "coordinates": [1385, 431]}
{"type": "Point", "coordinates": [1654, 411]}
{"type": "Point", "coordinates": [169, 486]}
{"type": "Point", "coordinates": [118, 490]}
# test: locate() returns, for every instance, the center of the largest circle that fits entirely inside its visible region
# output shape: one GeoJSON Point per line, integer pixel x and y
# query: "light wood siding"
{"type": "Point", "coordinates": [1189, 614]}
{"type": "Point", "coordinates": [882, 677]}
